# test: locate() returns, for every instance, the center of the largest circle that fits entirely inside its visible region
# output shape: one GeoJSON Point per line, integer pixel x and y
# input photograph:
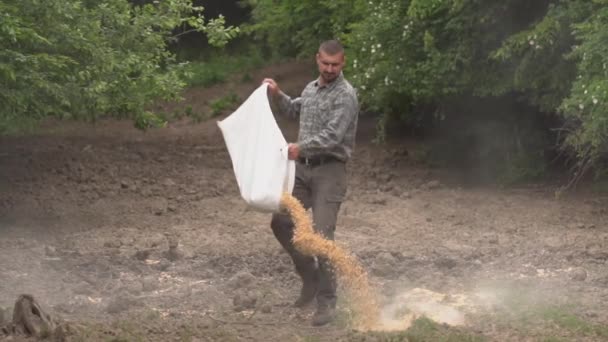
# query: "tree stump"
{"type": "Point", "coordinates": [30, 319]}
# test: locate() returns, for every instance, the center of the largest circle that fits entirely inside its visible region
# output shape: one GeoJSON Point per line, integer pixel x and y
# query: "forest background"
{"type": "Point", "coordinates": [511, 91]}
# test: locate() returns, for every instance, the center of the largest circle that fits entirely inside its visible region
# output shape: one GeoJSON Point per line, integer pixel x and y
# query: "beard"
{"type": "Point", "coordinates": [328, 77]}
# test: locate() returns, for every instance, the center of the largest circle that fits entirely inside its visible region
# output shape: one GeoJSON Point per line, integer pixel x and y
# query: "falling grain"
{"type": "Point", "coordinates": [350, 273]}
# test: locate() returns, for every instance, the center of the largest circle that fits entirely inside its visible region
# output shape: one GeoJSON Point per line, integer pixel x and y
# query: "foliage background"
{"type": "Point", "coordinates": [76, 59]}
{"type": "Point", "coordinates": [514, 84]}
{"type": "Point", "coordinates": [511, 88]}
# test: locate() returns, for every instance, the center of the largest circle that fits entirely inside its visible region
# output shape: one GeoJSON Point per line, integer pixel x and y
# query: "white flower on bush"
{"type": "Point", "coordinates": [581, 106]}
{"type": "Point", "coordinates": [595, 101]}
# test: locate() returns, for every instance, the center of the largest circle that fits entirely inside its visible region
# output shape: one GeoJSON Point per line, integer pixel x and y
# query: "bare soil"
{"type": "Point", "coordinates": [131, 235]}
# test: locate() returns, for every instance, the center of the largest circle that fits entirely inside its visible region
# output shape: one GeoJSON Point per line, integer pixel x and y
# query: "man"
{"type": "Point", "coordinates": [328, 110]}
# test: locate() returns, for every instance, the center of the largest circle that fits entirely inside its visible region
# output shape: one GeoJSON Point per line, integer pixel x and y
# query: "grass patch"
{"type": "Point", "coordinates": [573, 323]}
{"type": "Point", "coordinates": [547, 322]}
{"type": "Point", "coordinates": [422, 330]}
{"type": "Point", "coordinates": [218, 106]}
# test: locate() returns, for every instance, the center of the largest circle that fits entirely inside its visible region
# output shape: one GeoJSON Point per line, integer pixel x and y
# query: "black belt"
{"type": "Point", "coordinates": [317, 160]}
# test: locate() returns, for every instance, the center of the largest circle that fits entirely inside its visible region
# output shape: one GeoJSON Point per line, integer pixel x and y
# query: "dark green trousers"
{"type": "Point", "coordinates": [322, 189]}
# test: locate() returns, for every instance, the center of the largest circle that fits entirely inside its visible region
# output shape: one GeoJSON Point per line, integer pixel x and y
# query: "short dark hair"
{"type": "Point", "coordinates": [331, 47]}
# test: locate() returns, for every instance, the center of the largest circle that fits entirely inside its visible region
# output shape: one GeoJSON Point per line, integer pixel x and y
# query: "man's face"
{"type": "Point", "coordinates": [330, 66]}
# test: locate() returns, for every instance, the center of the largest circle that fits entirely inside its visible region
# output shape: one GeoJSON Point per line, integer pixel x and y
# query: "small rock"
{"type": "Point", "coordinates": [163, 265]}
{"type": "Point", "coordinates": [174, 254]}
{"type": "Point", "coordinates": [386, 257]}
{"type": "Point", "coordinates": [142, 255]}
{"type": "Point", "coordinates": [155, 240]}
{"type": "Point", "coordinates": [491, 238]}
{"type": "Point", "coordinates": [150, 283]}
{"type": "Point", "coordinates": [122, 303]}
{"type": "Point", "coordinates": [445, 262]}
{"type": "Point", "coordinates": [266, 309]}
{"type": "Point", "coordinates": [578, 274]}
{"type": "Point", "coordinates": [383, 265]}
{"type": "Point", "coordinates": [112, 244]}
{"type": "Point", "coordinates": [244, 301]}
{"type": "Point", "coordinates": [553, 242]}
{"type": "Point", "coordinates": [83, 288]}
{"type": "Point", "coordinates": [382, 270]}
{"type": "Point", "coordinates": [372, 185]}
{"type": "Point", "coordinates": [124, 184]}
{"type": "Point", "coordinates": [385, 177]}
{"type": "Point", "coordinates": [242, 279]}
{"type": "Point", "coordinates": [434, 184]}
{"type": "Point", "coordinates": [50, 251]}
{"type": "Point", "coordinates": [387, 187]}
{"type": "Point", "coordinates": [406, 195]}
{"type": "Point", "coordinates": [168, 182]}
{"type": "Point", "coordinates": [132, 288]}
{"type": "Point", "coordinates": [379, 200]}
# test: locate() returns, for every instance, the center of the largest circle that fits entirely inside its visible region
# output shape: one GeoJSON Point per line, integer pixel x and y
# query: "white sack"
{"type": "Point", "coordinates": [259, 152]}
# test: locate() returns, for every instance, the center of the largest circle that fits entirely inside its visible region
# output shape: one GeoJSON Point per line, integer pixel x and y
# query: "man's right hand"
{"type": "Point", "coordinates": [273, 87]}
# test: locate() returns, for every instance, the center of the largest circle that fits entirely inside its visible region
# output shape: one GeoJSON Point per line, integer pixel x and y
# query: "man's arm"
{"type": "Point", "coordinates": [346, 108]}
{"type": "Point", "coordinates": [287, 106]}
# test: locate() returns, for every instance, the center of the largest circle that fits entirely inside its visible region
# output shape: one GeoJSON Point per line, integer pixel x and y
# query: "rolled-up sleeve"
{"type": "Point", "coordinates": [288, 106]}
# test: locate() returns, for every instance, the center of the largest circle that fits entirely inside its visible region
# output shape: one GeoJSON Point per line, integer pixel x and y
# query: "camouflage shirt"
{"type": "Point", "coordinates": [328, 118]}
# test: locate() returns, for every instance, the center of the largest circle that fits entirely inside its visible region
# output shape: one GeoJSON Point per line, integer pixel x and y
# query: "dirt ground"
{"type": "Point", "coordinates": [90, 216]}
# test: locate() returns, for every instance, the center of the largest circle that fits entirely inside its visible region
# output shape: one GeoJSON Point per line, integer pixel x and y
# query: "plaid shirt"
{"type": "Point", "coordinates": [328, 118]}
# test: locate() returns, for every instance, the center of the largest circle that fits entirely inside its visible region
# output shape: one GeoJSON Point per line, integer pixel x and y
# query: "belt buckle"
{"type": "Point", "coordinates": [306, 161]}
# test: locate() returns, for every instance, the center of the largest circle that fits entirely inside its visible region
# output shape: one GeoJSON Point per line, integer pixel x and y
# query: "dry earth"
{"type": "Point", "coordinates": [90, 217]}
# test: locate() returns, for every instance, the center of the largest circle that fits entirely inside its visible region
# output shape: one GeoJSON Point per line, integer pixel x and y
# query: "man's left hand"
{"type": "Point", "coordinates": [293, 151]}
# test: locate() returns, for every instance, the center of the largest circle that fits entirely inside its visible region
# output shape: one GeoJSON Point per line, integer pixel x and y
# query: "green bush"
{"type": "Point", "coordinates": [410, 58]}
{"type": "Point", "coordinates": [80, 59]}
{"type": "Point", "coordinates": [218, 106]}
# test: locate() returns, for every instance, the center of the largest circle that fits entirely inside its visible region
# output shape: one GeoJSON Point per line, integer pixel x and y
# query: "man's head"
{"type": "Point", "coordinates": [330, 60]}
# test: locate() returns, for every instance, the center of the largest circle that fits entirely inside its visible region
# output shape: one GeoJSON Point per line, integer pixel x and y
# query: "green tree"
{"type": "Point", "coordinates": [80, 59]}
{"type": "Point", "coordinates": [295, 28]}
{"type": "Point", "coordinates": [415, 60]}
